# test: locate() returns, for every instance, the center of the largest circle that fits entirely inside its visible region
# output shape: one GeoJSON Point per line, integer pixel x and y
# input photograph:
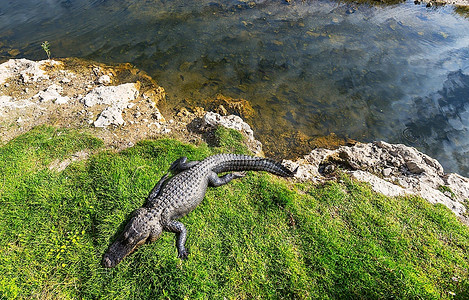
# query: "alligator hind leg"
{"type": "Point", "coordinates": [182, 164]}
{"type": "Point", "coordinates": [181, 235]}
{"type": "Point", "coordinates": [216, 181]}
{"type": "Point", "coordinates": [156, 190]}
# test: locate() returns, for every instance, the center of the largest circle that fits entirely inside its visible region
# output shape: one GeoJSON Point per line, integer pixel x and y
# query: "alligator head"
{"type": "Point", "coordinates": [142, 227]}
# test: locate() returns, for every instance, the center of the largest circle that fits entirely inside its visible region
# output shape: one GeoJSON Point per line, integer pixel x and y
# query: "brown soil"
{"type": "Point", "coordinates": [77, 77]}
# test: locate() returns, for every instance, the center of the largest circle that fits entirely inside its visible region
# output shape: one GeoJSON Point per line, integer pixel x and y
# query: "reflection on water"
{"type": "Point", "coordinates": [442, 121]}
{"type": "Point", "coordinates": [311, 68]}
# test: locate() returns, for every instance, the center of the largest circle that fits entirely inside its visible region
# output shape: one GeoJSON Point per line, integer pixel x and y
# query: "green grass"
{"type": "Point", "coordinates": [257, 237]}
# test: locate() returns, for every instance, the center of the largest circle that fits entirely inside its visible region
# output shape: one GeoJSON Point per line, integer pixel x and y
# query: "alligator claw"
{"type": "Point", "coordinates": [183, 254]}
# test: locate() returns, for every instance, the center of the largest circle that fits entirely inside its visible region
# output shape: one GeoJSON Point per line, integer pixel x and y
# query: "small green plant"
{"type": "Point", "coordinates": [46, 47]}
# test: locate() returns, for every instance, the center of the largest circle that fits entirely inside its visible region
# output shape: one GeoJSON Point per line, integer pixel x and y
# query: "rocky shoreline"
{"type": "Point", "coordinates": [120, 104]}
{"type": "Point", "coordinates": [430, 3]}
{"type": "Point", "coordinates": [392, 170]}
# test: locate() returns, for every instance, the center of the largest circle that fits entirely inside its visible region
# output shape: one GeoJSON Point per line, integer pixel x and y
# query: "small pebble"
{"type": "Point", "coordinates": [387, 172]}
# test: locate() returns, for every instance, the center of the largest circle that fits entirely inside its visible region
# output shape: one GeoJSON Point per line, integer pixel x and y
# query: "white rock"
{"type": "Point", "coordinates": [157, 125]}
{"type": "Point", "coordinates": [110, 116]}
{"type": "Point", "coordinates": [305, 171]}
{"type": "Point", "coordinates": [8, 102]}
{"type": "Point", "coordinates": [459, 185]}
{"type": "Point", "coordinates": [212, 119]}
{"type": "Point", "coordinates": [5, 100]}
{"type": "Point", "coordinates": [52, 93]}
{"type": "Point", "coordinates": [380, 185]}
{"type": "Point", "coordinates": [62, 100]}
{"type": "Point", "coordinates": [118, 96]}
{"type": "Point", "coordinates": [105, 79]}
{"type": "Point", "coordinates": [387, 172]}
{"type": "Point", "coordinates": [419, 174]}
{"type": "Point", "coordinates": [28, 70]}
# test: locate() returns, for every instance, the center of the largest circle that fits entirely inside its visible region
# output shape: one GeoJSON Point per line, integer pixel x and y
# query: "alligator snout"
{"type": "Point", "coordinates": [138, 230]}
{"type": "Point", "coordinates": [115, 254]}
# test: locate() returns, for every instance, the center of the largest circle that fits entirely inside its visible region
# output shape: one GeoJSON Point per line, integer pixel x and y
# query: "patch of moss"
{"type": "Point", "coordinates": [447, 191]}
{"type": "Point", "coordinates": [230, 140]}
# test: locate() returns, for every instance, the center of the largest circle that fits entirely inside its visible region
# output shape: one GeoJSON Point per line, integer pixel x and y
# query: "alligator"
{"type": "Point", "coordinates": [176, 196]}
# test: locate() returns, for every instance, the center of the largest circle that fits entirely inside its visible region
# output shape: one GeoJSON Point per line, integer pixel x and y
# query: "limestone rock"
{"type": "Point", "coordinates": [105, 79]}
{"type": "Point", "coordinates": [119, 95]}
{"type": "Point", "coordinates": [391, 169]}
{"type": "Point", "coordinates": [212, 119]}
{"type": "Point", "coordinates": [116, 98]}
{"type": "Point", "coordinates": [110, 116]}
{"type": "Point", "coordinates": [380, 185]}
{"type": "Point", "coordinates": [27, 70]}
{"type": "Point", "coordinates": [458, 184]}
{"type": "Point", "coordinates": [7, 102]}
{"type": "Point", "coordinates": [52, 93]}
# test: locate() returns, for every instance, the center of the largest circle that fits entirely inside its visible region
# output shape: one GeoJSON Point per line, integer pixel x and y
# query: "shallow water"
{"type": "Point", "coordinates": [396, 73]}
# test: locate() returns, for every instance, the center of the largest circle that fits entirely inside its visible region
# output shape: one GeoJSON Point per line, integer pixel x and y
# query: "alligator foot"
{"type": "Point", "coordinates": [156, 190]}
{"type": "Point", "coordinates": [216, 181]}
{"type": "Point", "coordinates": [183, 253]}
{"type": "Point", "coordinates": [240, 174]}
{"type": "Point", "coordinates": [182, 164]}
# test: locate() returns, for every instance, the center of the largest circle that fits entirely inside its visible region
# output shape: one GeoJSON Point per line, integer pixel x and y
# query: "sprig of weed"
{"type": "Point", "coordinates": [46, 47]}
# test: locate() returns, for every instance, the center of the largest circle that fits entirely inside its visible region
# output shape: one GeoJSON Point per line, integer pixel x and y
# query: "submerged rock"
{"type": "Point", "coordinates": [227, 105]}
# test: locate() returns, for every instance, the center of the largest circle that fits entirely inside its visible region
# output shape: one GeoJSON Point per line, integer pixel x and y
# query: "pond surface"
{"type": "Point", "coordinates": [395, 73]}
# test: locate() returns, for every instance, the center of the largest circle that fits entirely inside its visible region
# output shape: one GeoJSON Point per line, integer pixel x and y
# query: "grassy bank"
{"type": "Point", "coordinates": [259, 236]}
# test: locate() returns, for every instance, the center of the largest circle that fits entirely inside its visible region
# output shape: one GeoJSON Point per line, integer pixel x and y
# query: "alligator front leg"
{"type": "Point", "coordinates": [216, 181]}
{"type": "Point", "coordinates": [181, 235]}
{"type": "Point", "coordinates": [182, 164]}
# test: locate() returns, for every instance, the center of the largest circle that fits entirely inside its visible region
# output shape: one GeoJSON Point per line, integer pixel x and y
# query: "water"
{"type": "Point", "coordinates": [397, 73]}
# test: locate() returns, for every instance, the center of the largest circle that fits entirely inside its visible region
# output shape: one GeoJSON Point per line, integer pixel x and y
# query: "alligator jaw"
{"type": "Point", "coordinates": [118, 251]}
{"type": "Point", "coordinates": [141, 228]}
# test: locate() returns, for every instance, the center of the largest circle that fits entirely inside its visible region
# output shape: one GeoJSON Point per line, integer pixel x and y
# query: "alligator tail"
{"type": "Point", "coordinates": [238, 162]}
